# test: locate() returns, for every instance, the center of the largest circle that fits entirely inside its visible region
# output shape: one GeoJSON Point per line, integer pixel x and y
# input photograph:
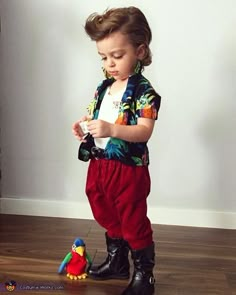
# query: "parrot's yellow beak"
{"type": "Point", "coordinates": [80, 250]}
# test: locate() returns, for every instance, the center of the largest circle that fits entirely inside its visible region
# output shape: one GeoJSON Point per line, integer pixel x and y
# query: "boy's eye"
{"type": "Point", "coordinates": [114, 56]}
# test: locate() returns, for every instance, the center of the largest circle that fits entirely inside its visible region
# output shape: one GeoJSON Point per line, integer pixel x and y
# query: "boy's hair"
{"type": "Point", "coordinates": [128, 20]}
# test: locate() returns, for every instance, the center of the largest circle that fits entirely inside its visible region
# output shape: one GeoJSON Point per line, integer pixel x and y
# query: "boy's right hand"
{"type": "Point", "coordinates": [79, 128]}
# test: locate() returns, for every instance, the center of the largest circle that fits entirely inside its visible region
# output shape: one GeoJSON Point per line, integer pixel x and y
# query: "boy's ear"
{"type": "Point", "coordinates": [141, 52]}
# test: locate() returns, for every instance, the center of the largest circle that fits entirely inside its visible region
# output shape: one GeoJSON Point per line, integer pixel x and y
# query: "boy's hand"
{"type": "Point", "coordinates": [99, 128]}
{"type": "Point", "coordinates": [79, 128]}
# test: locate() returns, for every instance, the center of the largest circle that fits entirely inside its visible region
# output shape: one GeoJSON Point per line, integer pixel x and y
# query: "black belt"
{"type": "Point", "coordinates": [97, 153]}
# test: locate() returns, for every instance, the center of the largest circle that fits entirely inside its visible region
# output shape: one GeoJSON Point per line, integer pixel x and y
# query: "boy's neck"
{"type": "Point", "coordinates": [117, 86]}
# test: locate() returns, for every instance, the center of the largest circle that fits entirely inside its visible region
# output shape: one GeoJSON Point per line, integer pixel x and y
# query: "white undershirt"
{"type": "Point", "coordinates": [109, 112]}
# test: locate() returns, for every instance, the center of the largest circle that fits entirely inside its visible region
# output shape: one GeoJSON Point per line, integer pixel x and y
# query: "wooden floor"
{"type": "Point", "coordinates": [189, 261]}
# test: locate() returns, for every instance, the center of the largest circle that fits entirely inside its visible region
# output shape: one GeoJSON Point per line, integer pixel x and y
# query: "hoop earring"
{"type": "Point", "coordinates": [138, 68]}
{"type": "Point", "coordinates": [106, 74]}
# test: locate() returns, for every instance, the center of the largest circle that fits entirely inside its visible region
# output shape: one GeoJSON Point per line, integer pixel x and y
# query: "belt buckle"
{"type": "Point", "coordinates": [97, 152]}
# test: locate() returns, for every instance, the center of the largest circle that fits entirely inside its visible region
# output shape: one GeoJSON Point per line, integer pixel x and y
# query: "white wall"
{"type": "Point", "coordinates": [49, 71]}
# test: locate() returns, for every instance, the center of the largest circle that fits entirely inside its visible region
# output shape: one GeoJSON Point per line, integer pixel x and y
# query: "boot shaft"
{"type": "Point", "coordinates": [144, 259]}
{"type": "Point", "coordinates": [116, 265]}
{"type": "Point", "coordinates": [118, 252]}
{"type": "Point", "coordinates": [143, 281]}
{"type": "Point", "coordinates": [116, 244]}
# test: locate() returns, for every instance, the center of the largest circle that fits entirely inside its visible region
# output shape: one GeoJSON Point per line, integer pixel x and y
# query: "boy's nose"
{"type": "Point", "coordinates": [111, 63]}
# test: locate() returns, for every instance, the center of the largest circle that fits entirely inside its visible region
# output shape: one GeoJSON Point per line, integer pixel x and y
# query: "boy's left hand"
{"type": "Point", "coordinates": [99, 128]}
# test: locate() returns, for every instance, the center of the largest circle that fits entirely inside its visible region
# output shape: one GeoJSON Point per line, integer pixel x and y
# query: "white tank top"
{"type": "Point", "coordinates": [109, 112]}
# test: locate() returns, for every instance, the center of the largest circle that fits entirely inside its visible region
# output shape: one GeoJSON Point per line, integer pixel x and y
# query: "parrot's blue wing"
{"type": "Point", "coordinates": [64, 262]}
{"type": "Point", "coordinates": [61, 267]}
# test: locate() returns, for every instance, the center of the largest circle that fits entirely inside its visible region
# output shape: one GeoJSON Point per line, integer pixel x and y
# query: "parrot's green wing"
{"type": "Point", "coordinates": [67, 258]}
{"type": "Point", "coordinates": [88, 258]}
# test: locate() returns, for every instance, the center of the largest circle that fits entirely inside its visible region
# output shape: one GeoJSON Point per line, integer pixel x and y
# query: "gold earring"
{"type": "Point", "coordinates": [106, 74]}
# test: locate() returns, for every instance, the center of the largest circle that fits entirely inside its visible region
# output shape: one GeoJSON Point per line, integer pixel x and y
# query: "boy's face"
{"type": "Point", "coordinates": [119, 56]}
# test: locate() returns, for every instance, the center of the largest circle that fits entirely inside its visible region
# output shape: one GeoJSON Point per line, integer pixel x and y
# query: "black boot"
{"type": "Point", "coordinates": [143, 281]}
{"type": "Point", "coordinates": [116, 265]}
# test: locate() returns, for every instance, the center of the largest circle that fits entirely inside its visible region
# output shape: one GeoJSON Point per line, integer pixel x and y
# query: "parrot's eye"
{"type": "Point", "coordinates": [74, 247]}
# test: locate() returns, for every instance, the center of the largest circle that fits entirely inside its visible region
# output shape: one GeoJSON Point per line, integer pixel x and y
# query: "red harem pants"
{"type": "Point", "coordinates": [117, 194]}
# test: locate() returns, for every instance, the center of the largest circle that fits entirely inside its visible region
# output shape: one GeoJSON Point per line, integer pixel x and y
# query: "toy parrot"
{"type": "Point", "coordinates": [75, 261]}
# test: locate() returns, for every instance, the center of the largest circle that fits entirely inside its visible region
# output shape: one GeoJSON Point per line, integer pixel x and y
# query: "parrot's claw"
{"type": "Point", "coordinates": [72, 277]}
{"type": "Point", "coordinates": [82, 276]}
{"type": "Point", "coordinates": [79, 277]}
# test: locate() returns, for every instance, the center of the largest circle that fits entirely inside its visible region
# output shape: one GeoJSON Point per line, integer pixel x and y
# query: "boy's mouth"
{"type": "Point", "coordinates": [113, 73]}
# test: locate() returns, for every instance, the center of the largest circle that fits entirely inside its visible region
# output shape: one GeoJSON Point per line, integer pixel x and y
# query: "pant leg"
{"type": "Point", "coordinates": [132, 206]}
{"type": "Point", "coordinates": [102, 205]}
{"type": "Point", "coordinates": [117, 194]}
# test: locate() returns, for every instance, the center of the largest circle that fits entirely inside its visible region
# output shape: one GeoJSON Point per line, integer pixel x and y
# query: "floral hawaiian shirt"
{"type": "Point", "coordinates": [138, 100]}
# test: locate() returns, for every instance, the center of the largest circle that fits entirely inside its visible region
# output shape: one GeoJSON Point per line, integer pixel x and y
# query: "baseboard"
{"type": "Point", "coordinates": [36, 207]}
{"type": "Point", "coordinates": [158, 215]}
{"type": "Point", "coordinates": [190, 217]}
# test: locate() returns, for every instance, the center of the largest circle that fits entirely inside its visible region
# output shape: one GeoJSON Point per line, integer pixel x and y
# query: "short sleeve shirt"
{"type": "Point", "coordinates": [139, 100]}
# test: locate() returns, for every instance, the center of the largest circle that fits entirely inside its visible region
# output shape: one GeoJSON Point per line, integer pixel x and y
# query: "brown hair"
{"type": "Point", "coordinates": [128, 20]}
